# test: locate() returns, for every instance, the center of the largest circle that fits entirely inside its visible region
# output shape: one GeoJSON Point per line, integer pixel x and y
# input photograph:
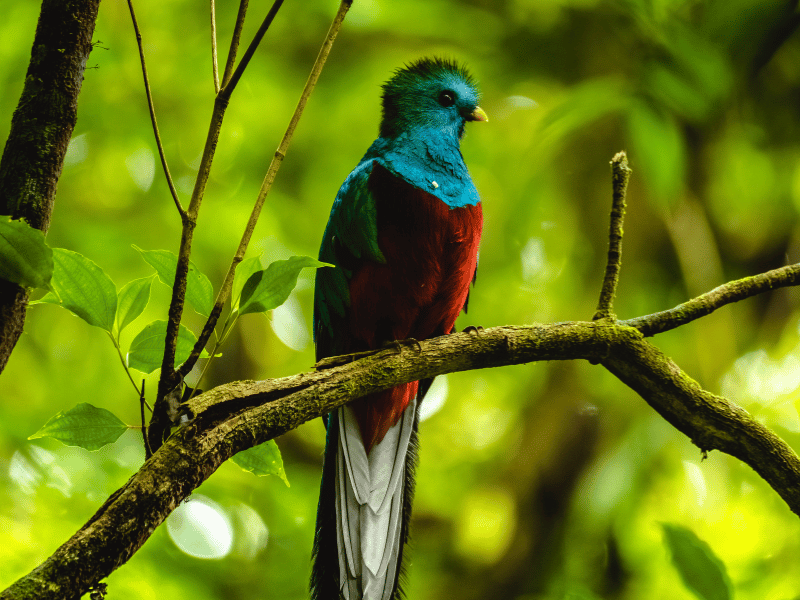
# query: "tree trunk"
{"type": "Point", "coordinates": [40, 132]}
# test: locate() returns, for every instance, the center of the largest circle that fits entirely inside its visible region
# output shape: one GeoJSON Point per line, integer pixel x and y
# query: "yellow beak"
{"type": "Point", "coordinates": [477, 115]}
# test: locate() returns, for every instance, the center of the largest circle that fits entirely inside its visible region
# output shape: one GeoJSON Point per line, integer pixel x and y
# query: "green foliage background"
{"type": "Point", "coordinates": [540, 481]}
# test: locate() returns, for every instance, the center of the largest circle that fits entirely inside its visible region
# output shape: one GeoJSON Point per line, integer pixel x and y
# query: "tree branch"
{"type": "Point", "coordinates": [235, 39]}
{"type": "Point", "coordinates": [169, 378]}
{"type": "Point", "coordinates": [152, 108]}
{"type": "Point", "coordinates": [231, 80]}
{"type": "Point", "coordinates": [266, 186]}
{"type": "Point", "coordinates": [711, 422]}
{"type": "Point", "coordinates": [214, 64]}
{"type": "Point", "coordinates": [236, 416]}
{"type": "Point", "coordinates": [620, 174]}
{"type": "Point", "coordinates": [707, 303]}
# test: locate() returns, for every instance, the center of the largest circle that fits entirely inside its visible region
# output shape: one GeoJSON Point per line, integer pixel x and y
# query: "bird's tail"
{"type": "Point", "coordinates": [364, 508]}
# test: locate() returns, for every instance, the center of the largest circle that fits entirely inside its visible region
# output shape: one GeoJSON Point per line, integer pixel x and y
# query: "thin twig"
{"type": "Point", "coordinates": [730, 292]}
{"type": "Point", "coordinates": [235, 39]}
{"type": "Point", "coordinates": [147, 451]}
{"type": "Point", "coordinates": [214, 65]}
{"type": "Point", "coordinates": [125, 366]}
{"type": "Point", "coordinates": [169, 377]}
{"type": "Point", "coordinates": [226, 330]}
{"type": "Point", "coordinates": [620, 173]}
{"type": "Point", "coordinates": [266, 185]}
{"type": "Point", "coordinates": [230, 81]}
{"type": "Point", "coordinates": [171, 185]}
{"type": "Point", "coordinates": [122, 359]}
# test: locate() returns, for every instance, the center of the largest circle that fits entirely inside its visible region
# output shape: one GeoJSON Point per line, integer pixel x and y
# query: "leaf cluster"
{"type": "Point", "coordinates": [79, 285]}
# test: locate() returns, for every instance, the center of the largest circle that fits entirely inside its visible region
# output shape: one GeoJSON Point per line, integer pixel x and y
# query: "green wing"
{"type": "Point", "coordinates": [351, 238]}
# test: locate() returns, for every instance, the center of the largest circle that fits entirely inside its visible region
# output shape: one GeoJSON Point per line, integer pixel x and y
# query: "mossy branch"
{"type": "Point", "coordinates": [703, 305]}
{"type": "Point", "coordinates": [620, 174]}
{"type": "Point", "coordinates": [239, 415]}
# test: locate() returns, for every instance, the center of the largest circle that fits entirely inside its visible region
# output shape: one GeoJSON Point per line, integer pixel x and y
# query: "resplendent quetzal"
{"type": "Point", "coordinates": [403, 235]}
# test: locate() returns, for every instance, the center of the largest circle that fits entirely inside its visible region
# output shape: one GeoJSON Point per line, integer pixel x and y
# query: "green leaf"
{"type": "Point", "coordinates": [25, 258]}
{"type": "Point", "coordinates": [132, 300]}
{"type": "Point", "coordinates": [147, 348]}
{"type": "Point", "coordinates": [261, 460]}
{"type": "Point", "coordinates": [270, 287]}
{"type": "Point", "coordinates": [199, 291]}
{"type": "Point", "coordinates": [701, 571]}
{"type": "Point", "coordinates": [84, 425]}
{"type": "Point", "coordinates": [83, 288]}
{"type": "Point", "coordinates": [240, 277]}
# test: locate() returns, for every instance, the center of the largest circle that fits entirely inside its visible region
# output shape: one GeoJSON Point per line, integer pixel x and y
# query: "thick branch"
{"type": "Point", "coordinates": [40, 132]}
{"type": "Point", "coordinates": [711, 422]}
{"type": "Point", "coordinates": [236, 416]}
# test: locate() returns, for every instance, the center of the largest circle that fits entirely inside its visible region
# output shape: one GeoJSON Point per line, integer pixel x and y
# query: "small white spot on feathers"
{"type": "Point", "coordinates": [434, 184]}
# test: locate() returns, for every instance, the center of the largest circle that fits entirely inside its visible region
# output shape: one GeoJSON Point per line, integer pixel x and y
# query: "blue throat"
{"type": "Point", "coordinates": [429, 159]}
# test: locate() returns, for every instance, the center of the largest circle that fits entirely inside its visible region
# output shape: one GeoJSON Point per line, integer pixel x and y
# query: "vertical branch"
{"type": "Point", "coordinates": [620, 174]}
{"type": "Point", "coordinates": [266, 185]}
{"type": "Point", "coordinates": [214, 65]}
{"type": "Point", "coordinates": [41, 128]}
{"type": "Point", "coordinates": [171, 185]}
{"type": "Point", "coordinates": [235, 38]}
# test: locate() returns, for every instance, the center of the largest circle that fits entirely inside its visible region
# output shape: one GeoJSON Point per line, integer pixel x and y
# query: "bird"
{"type": "Point", "coordinates": [403, 236]}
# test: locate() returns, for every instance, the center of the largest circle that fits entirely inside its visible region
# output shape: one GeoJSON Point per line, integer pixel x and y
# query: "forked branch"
{"type": "Point", "coordinates": [266, 185]}
{"type": "Point", "coordinates": [169, 378]}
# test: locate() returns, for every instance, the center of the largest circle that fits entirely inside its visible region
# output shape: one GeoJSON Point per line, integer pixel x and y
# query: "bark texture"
{"type": "Point", "coordinates": [40, 132]}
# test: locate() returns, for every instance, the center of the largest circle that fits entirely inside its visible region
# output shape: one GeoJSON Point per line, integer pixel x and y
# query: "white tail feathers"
{"type": "Point", "coordinates": [369, 504]}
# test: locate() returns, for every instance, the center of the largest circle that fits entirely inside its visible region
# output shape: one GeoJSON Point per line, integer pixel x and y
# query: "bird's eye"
{"type": "Point", "coordinates": [447, 98]}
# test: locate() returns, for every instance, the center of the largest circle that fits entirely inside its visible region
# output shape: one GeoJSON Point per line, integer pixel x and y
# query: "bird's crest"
{"type": "Point", "coordinates": [427, 69]}
{"type": "Point", "coordinates": [410, 96]}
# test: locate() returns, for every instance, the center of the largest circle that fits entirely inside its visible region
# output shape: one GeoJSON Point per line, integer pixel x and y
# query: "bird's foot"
{"type": "Point", "coordinates": [473, 329]}
{"type": "Point", "coordinates": [336, 361]}
{"type": "Point", "coordinates": [398, 344]}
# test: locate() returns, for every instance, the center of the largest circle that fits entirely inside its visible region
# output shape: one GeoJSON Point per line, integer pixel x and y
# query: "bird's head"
{"type": "Point", "coordinates": [430, 93]}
